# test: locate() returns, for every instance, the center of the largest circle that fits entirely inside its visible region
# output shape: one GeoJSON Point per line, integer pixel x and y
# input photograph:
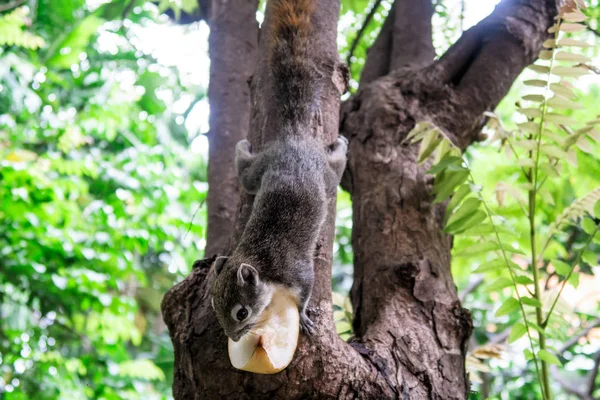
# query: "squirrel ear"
{"type": "Point", "coordinates": [219, 263]}
{"type": "Point", "coordinates": [247, 274]}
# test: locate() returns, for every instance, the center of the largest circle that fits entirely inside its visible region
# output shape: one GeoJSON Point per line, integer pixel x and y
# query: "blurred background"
{"type": "Point", "coordinates": [103, 153]}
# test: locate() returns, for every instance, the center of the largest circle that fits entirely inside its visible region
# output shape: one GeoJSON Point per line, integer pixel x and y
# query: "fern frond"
{"type": "Point", "coordinates": [12, 33]}
{"type": "Point", "coordinates": [577, 210]}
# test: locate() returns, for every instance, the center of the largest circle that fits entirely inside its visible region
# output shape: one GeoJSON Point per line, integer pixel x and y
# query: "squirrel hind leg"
{"type": "Point", "coordinates": [248, 174]}
{"type": "Point", "coordinates": [306, 280]}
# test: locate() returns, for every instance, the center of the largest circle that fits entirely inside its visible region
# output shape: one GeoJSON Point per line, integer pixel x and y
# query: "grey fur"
{"type": "Point", "coordinates": [292, 179]}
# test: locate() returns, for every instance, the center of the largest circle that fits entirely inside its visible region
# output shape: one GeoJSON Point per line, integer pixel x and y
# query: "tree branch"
{"type": "Point", "coordinates": [473, 285]}
{"type": "Point", "coordinates": [10, 6]}
{"type": "Point", "coordinates": [575, 338]}
{"type": "Point", "coordinates": [485, 61]}
{"type": "Point", "coordinates": [412, 43]}
{"type": "Point", "coordinates": [404, 40]}
{"type": "Point", "coordinates": [592, 375]}
{"type": "Point", "coordinates": [584, 387]}
{"type": "Point", "coordinates": [362, 29]}
{"type": "Point", "coordinates": [379, 54]}
{"type": "Point", "coordinates": [596, 32]}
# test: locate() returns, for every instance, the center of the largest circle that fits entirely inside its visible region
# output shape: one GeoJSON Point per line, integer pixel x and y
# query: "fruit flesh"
{"type": "Point", "coordinates": [270, 346]}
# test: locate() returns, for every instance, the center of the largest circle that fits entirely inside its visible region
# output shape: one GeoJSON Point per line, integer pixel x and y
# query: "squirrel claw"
{"type": "Point", "coordinates": [306, 325]}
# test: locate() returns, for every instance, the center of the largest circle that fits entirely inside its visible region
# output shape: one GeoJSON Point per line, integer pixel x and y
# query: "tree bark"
{"type": "Point", "coordinates": [233, 46]}
{"type": "Point", "coordinates": [410, 330]}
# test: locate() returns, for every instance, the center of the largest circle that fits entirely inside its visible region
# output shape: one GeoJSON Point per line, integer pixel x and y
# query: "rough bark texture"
{"type": "Point", "coordinates": [411, 331]}
{"type": "Point", "coordinates": [233, 40]}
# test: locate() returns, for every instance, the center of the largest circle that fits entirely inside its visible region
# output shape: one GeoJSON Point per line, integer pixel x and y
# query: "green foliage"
{"type": "Point", "coordinates": [97, 195]}
{"type": "Point", "coordinates": [13, 34]}
{"type": "Point", "coordinates": [533, 245]}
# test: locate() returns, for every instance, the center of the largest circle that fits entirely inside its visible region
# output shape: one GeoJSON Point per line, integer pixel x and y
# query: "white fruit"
{"type": "Point", "coordinates": [270, 346]}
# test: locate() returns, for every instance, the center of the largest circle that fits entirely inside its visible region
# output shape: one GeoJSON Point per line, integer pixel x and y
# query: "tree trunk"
{"type": "Point", "coordinates": [233, 40]}
{"type": "Point", "coordinates": [410, 330]}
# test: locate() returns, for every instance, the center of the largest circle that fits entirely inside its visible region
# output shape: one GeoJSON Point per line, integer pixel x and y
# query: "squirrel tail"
{"type": "Point", "coordinates": [294, 77]}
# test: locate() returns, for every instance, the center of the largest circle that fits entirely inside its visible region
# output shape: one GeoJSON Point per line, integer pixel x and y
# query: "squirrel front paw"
{"type": "Point", "coordinates": [306, 325]}
{"type": "Point", "coordinates": [343, 139]}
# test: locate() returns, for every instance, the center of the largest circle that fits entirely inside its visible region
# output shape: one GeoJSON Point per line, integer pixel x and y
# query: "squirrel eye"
{"type": "Point", "coordinates": [242, 314]}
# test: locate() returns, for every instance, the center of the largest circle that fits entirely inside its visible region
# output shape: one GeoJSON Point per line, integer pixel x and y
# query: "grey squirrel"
{"type": "Point", "coordinates": [291, 178]}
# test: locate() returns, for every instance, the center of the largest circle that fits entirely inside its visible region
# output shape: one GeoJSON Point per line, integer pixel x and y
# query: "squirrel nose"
{"type": "Point", "coordinates": [235, 336]}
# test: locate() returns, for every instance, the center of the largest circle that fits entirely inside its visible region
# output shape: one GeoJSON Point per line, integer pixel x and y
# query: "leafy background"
{"type": "Point", "coordinates": [102, 188]}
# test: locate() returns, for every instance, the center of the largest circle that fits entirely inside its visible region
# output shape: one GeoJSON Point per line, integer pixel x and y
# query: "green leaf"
{"type": "Point", "coordinates": [526, 144]}
{"type": "Point", "coordinates": [498, 284]}
{"type": "Point", "coordinates": [569, 71]}
{"type": "Point", "coordinates": [526, 162]}
{"type": "Point", "coordinates": [590, 257]}
{"type": "Point", "coordinates": [457, 197]}
{"type": "Point", "coordinates": [529, 127]}
{"type": "Point", "coordinates": [419, 131]}
{"type": "Point", "coordinates": [479, 230]}
{"type": "Point", "coordinates": [561, 102]}
{"type": "Point", "coordinates": [150, 102]}
{"type": "Point", "coordinates": [493, 265]}
{"type": "Point", "coordinates": [468, 207]}
{"type": "Point", "coordinates": [477, 248]}
{"type": "Point", "coordinates": [570, 27]}
{"type": "Point", "coordinates": [573, 42]}
{"type": "Point", "coordinates": [561, 267]}
{"type": "Point", "coordinates": [553, 151]}
{"type": "Point", "coordinates": [534, 97]}
{"type": "Point", "coordinates": [428, 145]}
{"type": "Point", "coordinates": [574, 16]}
{"type": "Point", "coordinates": [496, 264]}
{"type": "Point", "coordinates": [588, 225]}
{"type": "Point", "coordinates": [566, 56]}
{"type": "Point", "coordinates": [465, 223]}
{"type": "Point", "coordinates": [529, 301]}
{"type": "Point", "coordinates": [547, 196]}
{"type": "Point", "coordinates": [75, 43]}
{"type": "Point", "coordinates": [531, 112]}
{"type": "Point", "coordinates": [535, 326]}
{"type": "Point", "coordinates": [542, 69]}
{"type": "Point", "coordinates": [445, 184]}
{"type": "Point", "coordinates": [510, 249]}
{"type": "Point", "coordinates": [550, 358]}
{"type": "Point", "coordinates": [523, 280]}
{"type": "Point", "coordinates": [597, 209]}
{"type": "Point", "coordinates": [594, 134]}
{"type": "Point", "coordinates": [445, 162]}
{"type": "Point", "coordinates": [507, 307]}
{"type": "Point", "coordinates": [558, 119]}
{"type": "Point", "coordinates": [574, 280]}
{"type": "Point", "coordinates": [549, 44]}
{"type": "Point", "coordinates": [517, 331]}
{"type": "Point", "coordinates": [343, 326]}
{"type": "Point", "coordinates": [535, 83]}
{"type": "Point", "coordinates": [562, 90]}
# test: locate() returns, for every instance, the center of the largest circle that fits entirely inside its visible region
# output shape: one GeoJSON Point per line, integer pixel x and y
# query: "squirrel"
{"type": "Point", "coordinates": [291, 179]}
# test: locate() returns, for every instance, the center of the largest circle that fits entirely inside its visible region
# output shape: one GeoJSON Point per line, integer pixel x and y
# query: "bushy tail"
{"type": "Point", "coordinates": [294, 77]}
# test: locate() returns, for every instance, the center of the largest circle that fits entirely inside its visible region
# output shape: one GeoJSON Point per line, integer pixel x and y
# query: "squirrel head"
{"type": "Point", "coordinates": [239, 297]}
